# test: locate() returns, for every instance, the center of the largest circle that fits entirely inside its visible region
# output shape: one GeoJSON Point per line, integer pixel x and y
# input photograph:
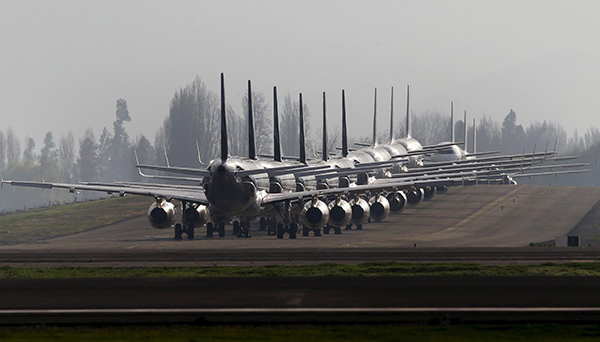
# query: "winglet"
{"type": "Point", "coordinates": [452, 137]}
{"type": "Point", "coordinates": [408, 128]}
{"type": "Point", "coordinates": [198, 152]}
{"type": "Point", "coordinates": [137, 160]}
{"type": "Point", "coordinates": [166, 156]}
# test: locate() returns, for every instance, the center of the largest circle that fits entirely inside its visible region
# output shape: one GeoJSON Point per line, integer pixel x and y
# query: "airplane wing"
{"type": "Point", "coordinates": [190, 195]}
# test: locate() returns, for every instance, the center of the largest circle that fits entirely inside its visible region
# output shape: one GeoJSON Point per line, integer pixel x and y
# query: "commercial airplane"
{"type": "Point", "coordinates": [239, 187]}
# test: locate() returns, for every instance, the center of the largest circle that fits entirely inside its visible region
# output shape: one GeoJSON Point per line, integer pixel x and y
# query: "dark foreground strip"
{"type": "Point", "coordinates": [201, 316]}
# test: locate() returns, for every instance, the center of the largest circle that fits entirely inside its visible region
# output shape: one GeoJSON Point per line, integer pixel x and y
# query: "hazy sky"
{"type": "Point", "coordinates": [63, 64]}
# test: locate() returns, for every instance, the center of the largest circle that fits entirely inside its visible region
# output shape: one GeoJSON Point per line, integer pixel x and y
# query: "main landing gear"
{"type": "Point", "coordinates": [210, 229]}
{"type": "Point", "coordinates": [180, 230]}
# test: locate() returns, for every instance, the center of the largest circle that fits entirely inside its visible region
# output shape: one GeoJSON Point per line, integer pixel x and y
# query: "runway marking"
{"type": "Point", "coordinates": [468, 219]}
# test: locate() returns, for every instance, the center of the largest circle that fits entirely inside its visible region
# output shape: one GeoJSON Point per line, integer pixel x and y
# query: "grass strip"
{"type": "Point", "coordinates": [488, 333]}
{"type": "Point", "coordinates": [377, 269]}
{"type": "Point", "coordinates": [38, 224]}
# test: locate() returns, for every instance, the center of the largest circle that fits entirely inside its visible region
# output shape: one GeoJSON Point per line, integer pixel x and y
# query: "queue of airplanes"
{"type": "Point", "coordinates": [298, 194]}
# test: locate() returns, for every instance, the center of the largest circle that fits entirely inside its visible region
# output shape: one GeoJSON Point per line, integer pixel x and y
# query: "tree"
{"type": "Point", "coordinates": [29, 153]}
{"type": "Point", "coordinates": [66, 157]}
{"type": "Point", "coordinates": [13, 147]}
{"type": "Point", "coordinates": [87, 161]}
{"type": "Point", "coordinates": [289, 127]}
{"type": "Point", "coordinates": [145, 153]}
{"type": "Point", "coordinates": [194, 115]}
{"type": "Point", "coordinates": [48, 159]}
{"type": "Point", "coordinates": [119, 162]}
{"type": "Point", "coordinates": [104, 151]}
{"type": "Point", "coordinates": [263, 127]}
{"type": "Point", "coordinates": [2, 151]}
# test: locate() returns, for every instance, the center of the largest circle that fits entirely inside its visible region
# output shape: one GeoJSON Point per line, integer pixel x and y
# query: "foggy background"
{"type": "Point", "coordinates": [66, 64]}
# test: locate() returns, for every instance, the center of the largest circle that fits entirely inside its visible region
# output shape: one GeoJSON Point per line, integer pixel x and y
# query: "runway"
{"type": "Point", "coordinates": [471, 224]}
{"type": "Point", "coordinates": [319, 299]}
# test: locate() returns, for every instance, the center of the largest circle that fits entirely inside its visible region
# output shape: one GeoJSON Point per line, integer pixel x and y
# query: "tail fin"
{"type": "Point", "coordinates": [475, 137]}
{"type": "Point", "coordinates": [224, 149]}
{"type": "Point", "coordinates": [301, 122]}
{"type": "Point", "coordinates": [375, 119]}
{"type": "Point", "coordinates": [276, 141]}
{"type": "Point", "coordinates": [344, 127]}
{"type": "Point", "coordinates": [408, 128]}
{"type": "Point", "coordinates": [251, 142]}
{"type": "Point", "coordinates": [466, 127]}
{"type": "Point", "coordinates": [392, 116]}
{"type": "Point", "coordinates": [325, 152]}
{"type": "Point", "coordinates": [452, 134]}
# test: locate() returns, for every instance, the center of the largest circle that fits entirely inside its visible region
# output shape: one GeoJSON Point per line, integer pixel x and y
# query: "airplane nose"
{"type": "Point", "coordinates": [221, 170]}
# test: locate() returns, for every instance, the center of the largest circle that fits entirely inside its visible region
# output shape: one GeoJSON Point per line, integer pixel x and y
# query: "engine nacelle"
{"type": "Point", "coordinates": [340, 213]}
{"type": "Point", "coordinates": [162, 214]}
{"type": "Point", "coordinates": [361, 211]}
{"type": "Point", "coordinates": [429, 193]}
{"type": "Point", "coordinates": [441, 189]}
{"type": "Point", "coordinates": [397, 201]}
{"type": "Point", "coordinates": [380, 208]}
{"type": "Point", "coordinates": [315, 214]}
{"type": "Point", "coordinates": [197, 216]}
{"type": "Point", "coordinates": [415, 197]}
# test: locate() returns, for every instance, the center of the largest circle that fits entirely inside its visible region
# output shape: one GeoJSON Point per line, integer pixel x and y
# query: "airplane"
{"type": "Point", "coordinates": [239, 187]}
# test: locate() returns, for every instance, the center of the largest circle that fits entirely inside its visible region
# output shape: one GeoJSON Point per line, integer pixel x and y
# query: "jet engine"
{"type": "Point", "coordinates": [441, 189]}
{"type": "Point", "coordinates": [315, 214]}
{"type": "Point", "coordinates": [340, 213]}
{"type": "Point", "coordinates": [197, 215]}
{"type": "Point", "coordinates": [415, 197]}
{"type": "Point", "coordinates": [428, 193]}
{"type": "Point", "coordinates": [380, 208]}
{"type": "Point", "coordinates": [162, 214]}
{"type": "Point", "coordinates": [397, 201]}
{"type": "Point", "coordinates": [360, 211]}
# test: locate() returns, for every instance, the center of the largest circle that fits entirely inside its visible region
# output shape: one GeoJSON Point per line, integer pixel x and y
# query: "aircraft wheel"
{"type": "Point", "coordinates": [359, 227]}
{"type": "Point", "coordinates": [178, 231]}
{"type": "Point", "coordinates": [349, 226]}
{"type": "Point", "coordinates": [280, 230]}
{"type": "Point", "coordinates": [263, 224]}
{"type": "Point", "coordinates": [337, 230]}
{"type": "Point", "coordinates": [210, 229]}
{"type": "Point", "coordinates": [326, 230]}
{"type": "Point", "coordinates": [221, 229]}
{"type": "Point", "coordinates": [293, 230]}
{"type": "Point", "coordinates": [236, 229]}
{"type": "Point", "coordinates": [305, 231]}
{"type": "Point", "coordinates": [317, 232]}
{"type": "Point", "coordinates": [190, 232]}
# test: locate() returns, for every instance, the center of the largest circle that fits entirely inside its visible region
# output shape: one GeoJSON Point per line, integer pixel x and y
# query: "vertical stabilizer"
{"type": "Point", "coordinates": [466, 127]}
{"type": "Point", "coordinates": [474, 136]}
{"type": "Point", "coordinates": [344, 127]}
{"type": "Point", "coordinates": [251, 141]}
{"type": "Point", "coordinates": [452, 134]}
{"type": "Point", "coordinates": [375, 119]}
{"type": "Point", "coordinates": [276, 141]}
{"type": "Point", "coordinates": [325, 152]}
{"type": "Point", "coordinates": [392, 116]}
{"type": "Point", "coordinates": [408, 128]}
{"type": "Point", "coordinates": [224, 149]}
{"type": "Point", "coordinates": [301, 135]}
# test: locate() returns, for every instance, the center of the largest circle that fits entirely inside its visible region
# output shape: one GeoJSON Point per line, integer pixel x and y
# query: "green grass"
{"type": "Point", "coordinates": [303, 333]}
{"type": "Point", "coordinates": [38, 224]}
{"type": "Point", "coordinates": [380, 269]}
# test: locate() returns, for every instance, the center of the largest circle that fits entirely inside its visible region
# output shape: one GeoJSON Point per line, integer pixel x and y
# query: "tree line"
{"type": "Point", "coordinates": [194, 116]}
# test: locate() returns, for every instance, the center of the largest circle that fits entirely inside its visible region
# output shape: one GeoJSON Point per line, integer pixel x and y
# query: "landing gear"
{"type": "Point", "coordinates": [293, 230]}
{"type": "Point", "coordinates": [190, 232]}
{"type": "Point", "coordinates": [221, 229]}
{"type": "Point", "coordinates": [210, 229]}
{"type": "Point", "coordinates": [326, 229]}
{"type": "Point", "coordinates": [359, 227]}
{"type": "Point", "coordinates": [280, 230]}
{"type": "Point", "coordinates": [337, 230]}
{"type": "Point", "coordinates": [236, 229]}
{"type": "Point", "coordinates": [263, 224]}
{"type": "Point", "coordinates": [349, 226]}
{"type": "Point", "coordinates": [305, 231]}
{"type": "Point", "coordinates": [244, 229]}
{"type": "Point", "coordinates": [178, 231]}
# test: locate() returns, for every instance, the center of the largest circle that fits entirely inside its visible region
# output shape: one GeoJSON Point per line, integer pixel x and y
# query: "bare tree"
{"type": "Point", "coordinates": [88, 157]}
{"type": "Point", "coordinates": [263, 128]}
{"type": "Point", "coordinates": [29, 152]}
{"type": "Point", "coordinates": [66, 157]}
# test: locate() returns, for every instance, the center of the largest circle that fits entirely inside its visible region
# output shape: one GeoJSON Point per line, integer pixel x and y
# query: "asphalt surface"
{"type": "Point", "coordinates": [471, 224]}
{"type": "Point", "coordinates": [377, 299]}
